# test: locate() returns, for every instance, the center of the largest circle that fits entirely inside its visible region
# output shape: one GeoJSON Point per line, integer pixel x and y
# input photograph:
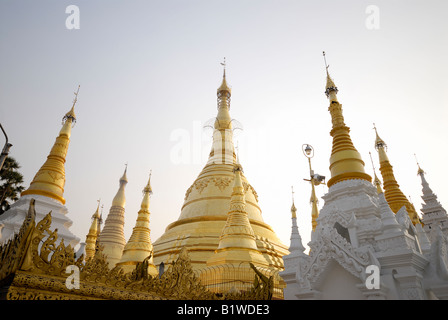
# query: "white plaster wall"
{"type": "Point", "coordinates": [339, 284]}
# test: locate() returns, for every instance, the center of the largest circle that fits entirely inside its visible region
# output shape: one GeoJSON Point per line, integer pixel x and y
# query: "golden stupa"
{"type": "Point", "coordinates": [207, 202]}
{"type": "Point", "coordinates": [394, 196]}
{"type": "Point", "coordinates": [345, 161]}
{"type": "Point", "coordinates": [94, 232]}
{"type": "Point", "coordinates": [49, 181]}
{"type": "Point", "coordinates": [112, 236]}
{"type": "Point", "coordinates": [139, 246]}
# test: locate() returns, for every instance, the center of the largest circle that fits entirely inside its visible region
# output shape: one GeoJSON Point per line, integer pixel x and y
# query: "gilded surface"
{"type": "Point", "coordinates": [206, 205]}
{"type": "Point", "coordinates": [345, 160]}
{"type": "Point", "coordinates": [34, 267]}
{"type": "Point", "coordinates": [394, 196]}
{"type": "Point", "coordinates": [49, 181]}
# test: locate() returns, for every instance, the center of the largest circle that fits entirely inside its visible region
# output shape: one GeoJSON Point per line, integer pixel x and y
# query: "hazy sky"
{"type": "Point", "coordinates": [149, 71]}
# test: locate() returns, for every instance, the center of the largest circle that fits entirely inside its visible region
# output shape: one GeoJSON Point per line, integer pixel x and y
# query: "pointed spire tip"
{"type": "Point", "coordinates": [420, 170]}
{"type": "Point", "coordinates": [330, 86]}
{"type": "Point", "coordinates": [224, 87]}
{"type": "Point", "coordinates": [148, 188]}
{"type": "Point", "coordinates": [71, 114]}
{"type": "Point", "coordinates": [124, 176]}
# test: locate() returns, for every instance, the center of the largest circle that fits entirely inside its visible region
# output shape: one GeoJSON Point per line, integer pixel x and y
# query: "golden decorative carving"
{"type": "Point", "coordinates": [12, 253]}
{"type": "Point", "coordinates": [188, 192]}
{"type": "Point", "coordinates": [200, 185]}
{"type": "Point", "coordinates": [222, 183]}
{"type": "Point", "coordinates": [247, 186]}
{"type": "Point", "coordinates": [55, 176]}
{"type": "Point", "coordinates": [34, 267]}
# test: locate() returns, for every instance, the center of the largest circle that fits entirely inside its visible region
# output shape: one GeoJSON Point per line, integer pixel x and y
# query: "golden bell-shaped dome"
{"type": "Point", "coordinates": [204, 212]}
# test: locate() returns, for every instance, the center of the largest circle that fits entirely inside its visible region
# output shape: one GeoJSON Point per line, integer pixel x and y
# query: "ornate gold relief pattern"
{"type": "Point", "coordinates": [188, 192]}
{"type": "Point", "coordinates": [34, 264]}
{"type": "Point", "coordinates": [56, 176]}
{"type": "Point", "coordinates": [221, 182]}
{"type": "Point", "coordinates": [247, 186]}
{"type": "Point", "coordinates": [200, 185]}
{"type": "Point", "coordinates": [14, 250]}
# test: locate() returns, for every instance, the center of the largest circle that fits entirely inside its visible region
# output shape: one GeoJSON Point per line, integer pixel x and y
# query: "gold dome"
{"type": "Point", "coordinates": [204, 212]}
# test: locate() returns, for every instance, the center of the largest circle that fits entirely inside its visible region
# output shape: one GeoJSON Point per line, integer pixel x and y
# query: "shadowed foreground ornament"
{"type": "Point", "coordinates": [34, 268]}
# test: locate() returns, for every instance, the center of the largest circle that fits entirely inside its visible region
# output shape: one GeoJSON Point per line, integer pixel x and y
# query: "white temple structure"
{"type": "Point", "coordinates": [360, 249]}
{"type": "Point", "coordinates": [47, 188]}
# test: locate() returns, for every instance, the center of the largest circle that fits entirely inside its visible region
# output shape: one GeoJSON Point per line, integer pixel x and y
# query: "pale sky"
{"type": "Point", "coordinates": [149, 71]}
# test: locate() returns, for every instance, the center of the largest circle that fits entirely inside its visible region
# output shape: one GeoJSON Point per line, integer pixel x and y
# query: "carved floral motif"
{"type": "Point", "coordinates": [220, 182]}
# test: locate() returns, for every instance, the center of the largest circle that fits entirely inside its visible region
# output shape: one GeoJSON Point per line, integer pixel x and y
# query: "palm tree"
{"type": "Point", "coordinates": [10, 187]}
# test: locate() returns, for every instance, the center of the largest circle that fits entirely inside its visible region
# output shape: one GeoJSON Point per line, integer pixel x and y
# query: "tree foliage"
{"type": "Point", "coordinates": [10, 183]}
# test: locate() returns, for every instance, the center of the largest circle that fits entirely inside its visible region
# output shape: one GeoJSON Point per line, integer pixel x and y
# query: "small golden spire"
{"type": "Point", "coordinates": [380, 146]}
{"type": "Point", "coordinates": [224, 87]}
{"type": "Point", "coordinates": [148, 188]}
{"type": "Point", "coordinates": [394, 196]}
{"type": "Point", "coordinates": [379, 143]}
{"type": "Point", "coordinates": [293, 207]}
{"type": "Point", "coordinates": [314, 208]}
{"type": "Point", "coordinates": [139, 246]}
{"type": "Point", "coordinates": [345, 161]}
{"type": "Point", "coordinates": [237, 243]}
{"type": "Point", "coordinates": [124, 176]}
{"type": "Point", "coordinates": [100, 221]}
{"type": "Point", "coordinates": [420, 170]}
{"type": "Point", "coordinates": [223, 120]}
{"type": "Point", "coordinates": [330, 89]}
{"type": "Point", "coordinates": [96, 215]}
{"type": "Point", "coordinates": [92, 236]}
{"type": "Point", "coordinates": [376, 181]}
{"type": "Point", "coordinates": [49, 181]}
{"type": "Point", "coordinates": [71, 113]}
{"type": "Point", "coordinates": [112, 236]}
{"type": "Point", "coordinates": [224, 65]}
{"type": "Point", "coordinates": [238, 229]}
{"type": "Point", "coordinates": [147, 191]}
{"type": "Point", "coordinates": [120, 198]}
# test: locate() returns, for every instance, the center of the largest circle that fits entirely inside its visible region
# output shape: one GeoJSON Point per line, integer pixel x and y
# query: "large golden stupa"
{"type": "Point", "coordinates": [207, 202]}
